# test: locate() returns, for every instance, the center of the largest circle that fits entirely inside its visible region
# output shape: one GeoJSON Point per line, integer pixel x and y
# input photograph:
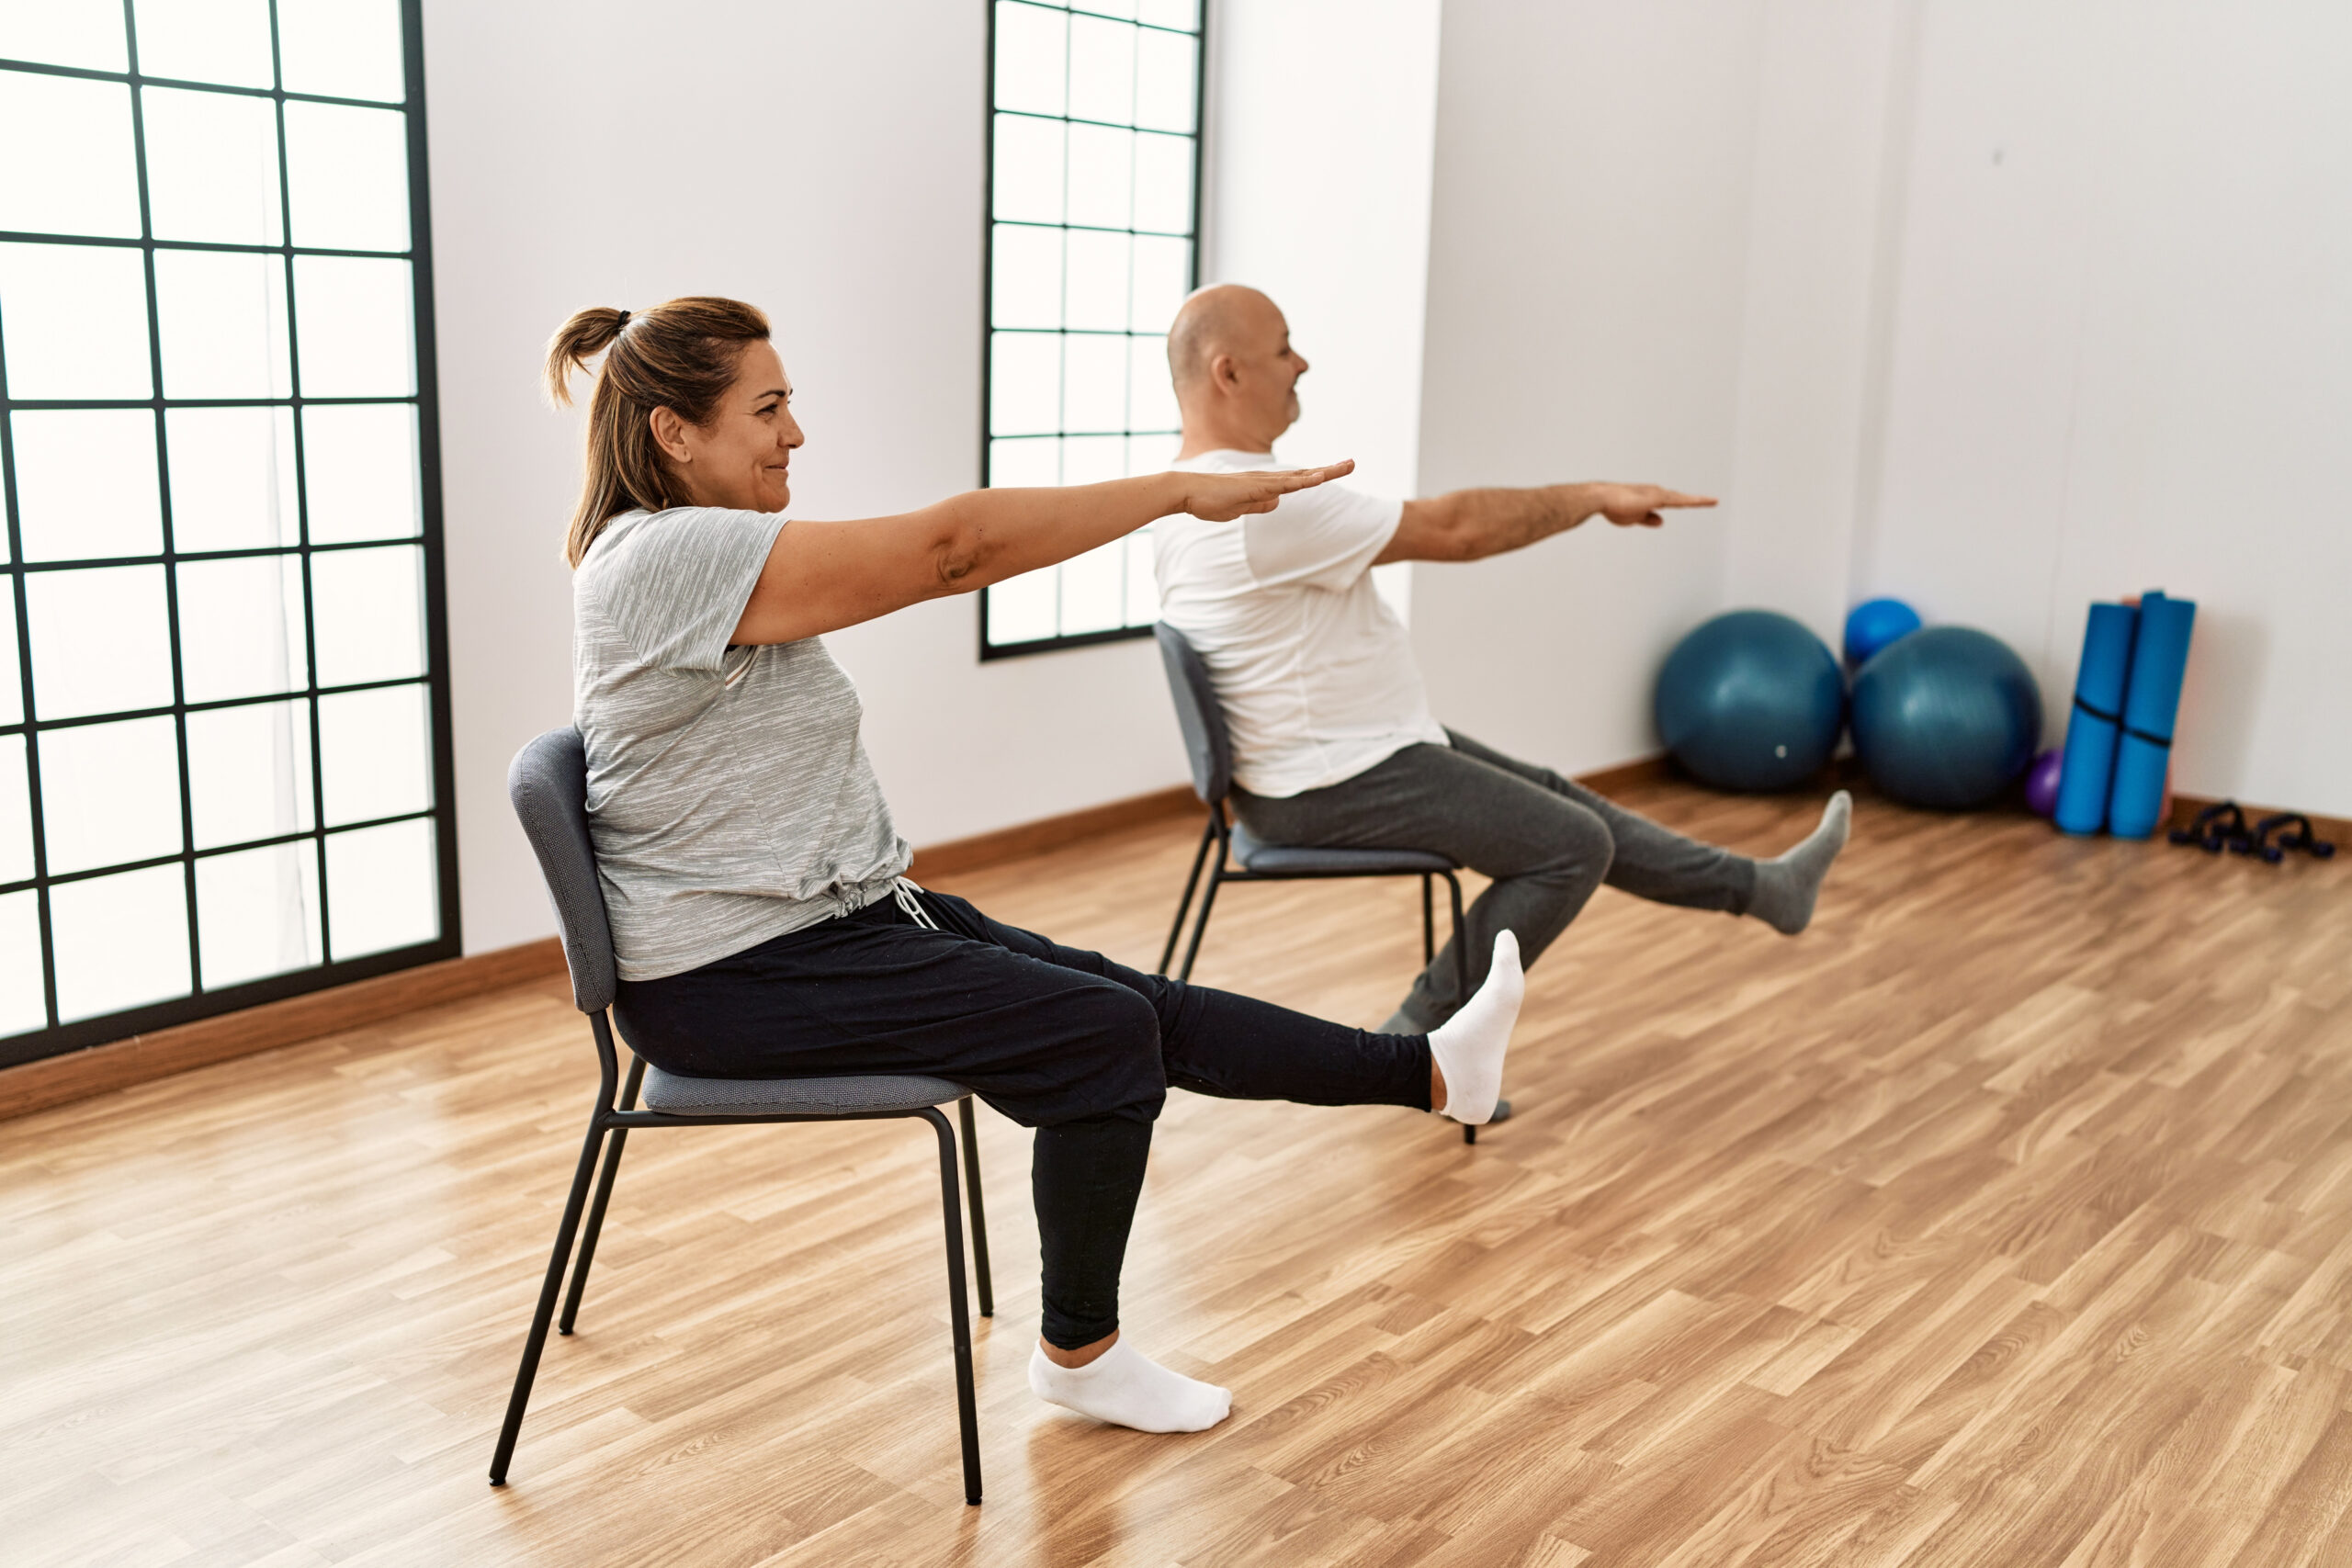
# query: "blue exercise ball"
{"type": "Point", "coordinates": [1872, 624]}
{"type": "Point", "coordinates": [1946, 717]}
{"type": "Point", "coordinates": [1751, 700]}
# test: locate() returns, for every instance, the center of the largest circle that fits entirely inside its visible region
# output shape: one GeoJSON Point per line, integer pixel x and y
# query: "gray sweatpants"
{"type": "Point", "coordinates": [1546, 840]}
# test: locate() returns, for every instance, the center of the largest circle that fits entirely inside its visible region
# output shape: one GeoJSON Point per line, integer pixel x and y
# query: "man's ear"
{"type": "Point", "coordinates": [1224, 370]}
{"type": "Point", "coordinates": [669, 435]}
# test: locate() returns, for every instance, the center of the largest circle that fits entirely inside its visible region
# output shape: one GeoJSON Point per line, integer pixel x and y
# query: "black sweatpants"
{"type": "Point", "coordinates": [1057, 1038]}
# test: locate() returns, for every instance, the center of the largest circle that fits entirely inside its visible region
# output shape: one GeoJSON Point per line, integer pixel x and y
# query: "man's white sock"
{"type": "Point", "coordinates": [1469, 1046]}
{"type": "Point", "coordinates": [1127, 1388]}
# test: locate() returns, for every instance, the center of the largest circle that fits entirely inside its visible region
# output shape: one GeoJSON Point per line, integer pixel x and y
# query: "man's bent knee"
{"type": "Point", "coordinates": [1577, 846]}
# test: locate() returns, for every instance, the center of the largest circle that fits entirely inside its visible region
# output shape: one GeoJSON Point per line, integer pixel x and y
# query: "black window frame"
{"type": "Point", "coordinates": [990, 651]}
{"type": "Point", "coordinates": [60, 1038]}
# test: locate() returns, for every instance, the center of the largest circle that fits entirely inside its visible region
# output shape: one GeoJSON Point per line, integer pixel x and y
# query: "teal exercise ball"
{"type": "Point", "coordinates": [1947, 717]}
{"type": "Point", "coordinates": [1751, 700]}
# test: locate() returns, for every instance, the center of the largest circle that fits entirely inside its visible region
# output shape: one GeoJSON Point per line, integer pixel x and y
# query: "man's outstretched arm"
{"type": "Point", "coordinates": [1470, 525]}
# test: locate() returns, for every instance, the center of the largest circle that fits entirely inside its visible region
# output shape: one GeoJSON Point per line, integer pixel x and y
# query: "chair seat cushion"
{"type": "Point", "coordinates": [1285, 860]}
{"type": "Point", "coordinates": [792, 1097]}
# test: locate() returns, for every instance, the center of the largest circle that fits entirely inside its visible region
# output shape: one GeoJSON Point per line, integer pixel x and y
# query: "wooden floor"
{"type": "Point", "coordinates": [2002, 1218]}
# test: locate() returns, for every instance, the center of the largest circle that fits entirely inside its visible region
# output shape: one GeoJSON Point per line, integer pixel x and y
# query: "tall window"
{"type": "Point", "coordinates": [1094, 174]}
{"type": "Point", "coordinates": [223, 744]}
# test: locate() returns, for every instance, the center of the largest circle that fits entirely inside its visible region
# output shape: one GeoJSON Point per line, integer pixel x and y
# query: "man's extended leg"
{"type": "Point", "coordinates": [1545, 852]}
{"type": "Point", "coordinates": [1659, 865]}
{"type": "Point", "coordinates": [1651, 861]}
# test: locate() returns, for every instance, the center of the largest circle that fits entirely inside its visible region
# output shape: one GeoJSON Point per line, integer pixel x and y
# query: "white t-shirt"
{"type": "Point", "coordinates": [1315, 671]}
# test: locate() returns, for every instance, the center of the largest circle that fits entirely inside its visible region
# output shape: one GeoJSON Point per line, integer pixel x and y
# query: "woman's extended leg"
{"type": "Point", "coordinates": [1061, 1040]}
{"type": "Point", "coordinates": [1236, 1047]}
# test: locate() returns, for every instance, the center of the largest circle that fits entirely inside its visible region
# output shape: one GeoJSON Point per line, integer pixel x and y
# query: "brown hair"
{"type": "Point", "coordinates": [682, 357]}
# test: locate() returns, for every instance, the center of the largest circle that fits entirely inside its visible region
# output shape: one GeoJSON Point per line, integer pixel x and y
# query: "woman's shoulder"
{"type": "Point", "coordinates": [612, 538]}
{"type": "Point", "coordinates": [660, 539]}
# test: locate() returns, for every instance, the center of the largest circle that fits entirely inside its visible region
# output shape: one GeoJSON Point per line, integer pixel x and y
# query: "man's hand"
{"type": "Point", "coordinates": [1637, 506]}
{"type": "Point", "coordinates": [1471, 524]}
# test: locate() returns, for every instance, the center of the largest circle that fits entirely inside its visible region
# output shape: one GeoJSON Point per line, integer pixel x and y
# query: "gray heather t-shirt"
{"type": "Point", "coordinates": [728, 794]}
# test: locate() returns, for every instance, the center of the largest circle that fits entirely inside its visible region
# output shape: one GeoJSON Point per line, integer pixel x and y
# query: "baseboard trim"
{"type": "Point", "coordinates": [1625, 775]}
{"type": "Point", "coordinates": [100, 1069]}
{"type": "Point", "coordinates": [1022, 839]}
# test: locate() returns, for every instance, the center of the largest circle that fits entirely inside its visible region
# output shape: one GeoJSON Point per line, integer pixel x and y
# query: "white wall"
{"type": "Point", "coordinates": [2121, 356]}
{"type": "Point", "coordinates": [1999, 306]}
{"type": "Point", "coordinates": [1317, 191]}
{"type": "Point", "coordinates": [1833, 112]}
{"type": "Point", "coordinates": [1587, 254]}
{"type": "Point", "coordinates": [825, 162]}
{"type": "Point", "coordinates": [1762, 247]}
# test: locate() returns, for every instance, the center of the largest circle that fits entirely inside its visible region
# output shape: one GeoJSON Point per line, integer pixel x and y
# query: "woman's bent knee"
{"type": "Point", "coordinates": [1116, 1033]}
{"type": "Point", "coordinates": [1120, 1019]}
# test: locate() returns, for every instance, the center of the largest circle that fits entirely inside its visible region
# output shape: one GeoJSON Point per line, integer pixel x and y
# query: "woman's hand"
{"type": "Point", "coordinates": [821, 577]}
{"type": "Point", "coordinates": [1221, 498]}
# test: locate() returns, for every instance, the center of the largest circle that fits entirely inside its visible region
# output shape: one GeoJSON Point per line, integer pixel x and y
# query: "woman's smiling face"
{"type": "Point", "coordinates": [742, 459]}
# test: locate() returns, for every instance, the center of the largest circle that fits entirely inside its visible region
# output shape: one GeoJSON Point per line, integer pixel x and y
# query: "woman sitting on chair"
{"type": "Point", "coordinates": [749, 862]}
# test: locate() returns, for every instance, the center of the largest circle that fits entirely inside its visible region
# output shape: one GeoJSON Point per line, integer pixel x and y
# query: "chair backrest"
{"type": "Point", "coordinates": [549, 785]}
{"type": "Point", "coordinates": [1198, 713]}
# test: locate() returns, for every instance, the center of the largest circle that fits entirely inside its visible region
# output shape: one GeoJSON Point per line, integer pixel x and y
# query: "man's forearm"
{"type": "Point", "coordinates": [1470, 525]}
{"type": "Point", "coordinates": [1482, 523]}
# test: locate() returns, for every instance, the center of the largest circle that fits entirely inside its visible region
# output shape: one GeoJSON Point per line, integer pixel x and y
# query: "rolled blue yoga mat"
{"type": "Point", "coordinates": [2159, 660]}
{"type": "Point", "coordinates": [2100, 679]}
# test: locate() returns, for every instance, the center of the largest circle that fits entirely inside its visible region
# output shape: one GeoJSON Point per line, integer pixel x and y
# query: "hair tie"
{"type": "Point", "coordinates": [621, 323]}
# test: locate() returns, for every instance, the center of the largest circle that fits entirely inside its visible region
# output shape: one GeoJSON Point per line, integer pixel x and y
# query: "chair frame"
{"type": "Point", "coordinates": [588, 952]}
{"type": "Point", "coordinates": [1201, 716]}
{"type": "Point", "coordinates": [1218, 833]}
{"type": "Point", "coordinates": [607, 1118]}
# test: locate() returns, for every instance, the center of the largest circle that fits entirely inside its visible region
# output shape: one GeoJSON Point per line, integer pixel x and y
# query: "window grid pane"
{"type": "Point", "coordinates": [167, 788]}
{"type": "Point", "coordinates": [1094, 192]}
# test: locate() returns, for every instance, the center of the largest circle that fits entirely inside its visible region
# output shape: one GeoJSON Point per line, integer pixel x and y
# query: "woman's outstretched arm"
{"type": "Point", "coordinates": [821, 577]}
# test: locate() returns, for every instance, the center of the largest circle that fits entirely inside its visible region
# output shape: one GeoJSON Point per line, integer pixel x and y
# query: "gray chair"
{"type": "Point", "coordinates": [549, 785]}
{"type": "Point", "coordinates": [1231, 854]}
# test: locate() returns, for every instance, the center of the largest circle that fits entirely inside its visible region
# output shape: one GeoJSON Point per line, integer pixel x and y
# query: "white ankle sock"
{"type": "Point", "coordinates": [1469, 1046]}
{"type": "Point", "coordinates": [1127, 1388]}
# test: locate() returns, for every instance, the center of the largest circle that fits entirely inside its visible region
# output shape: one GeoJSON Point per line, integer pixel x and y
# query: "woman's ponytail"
{"type": "Point", "coordinates": [683, 356]}
{"type": "Point", "coordinates": [588, 334]}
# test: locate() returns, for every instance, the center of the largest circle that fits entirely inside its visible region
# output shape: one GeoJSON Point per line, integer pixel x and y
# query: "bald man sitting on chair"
{"type": "Point", "coordinates": [1333, 742]}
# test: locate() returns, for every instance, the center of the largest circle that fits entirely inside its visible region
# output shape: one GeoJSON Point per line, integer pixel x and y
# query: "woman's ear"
{"type": "Point", "coordinates": [669, 435]}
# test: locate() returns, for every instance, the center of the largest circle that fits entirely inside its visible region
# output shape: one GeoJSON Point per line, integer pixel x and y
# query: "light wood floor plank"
{"type": "Point", "coordinates": [2005, 1216]}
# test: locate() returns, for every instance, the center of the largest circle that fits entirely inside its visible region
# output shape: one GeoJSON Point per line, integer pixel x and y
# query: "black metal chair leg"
{"type": "Point", "coordinates": [1428, 925]}
{"type": "Point", "coordinates": [596, 1208]}
{"type": "Point", "coordinates": [538, 1339]}
{"type": "Point", "coordinates": [960, 1314]}
{"type": "Point", "coordinates": [980, 1215]}
{"type": "Point", "coordinates": [1201, 926]}
{"type": "Point", "coordinates": [1208, 837]}
{"type": "Point", "coordinates": [1461, 943]}
{"type": "Point", "coordinates": [1461, 970]}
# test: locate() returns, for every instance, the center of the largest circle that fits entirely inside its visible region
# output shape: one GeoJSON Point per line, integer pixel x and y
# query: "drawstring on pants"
{"type": "Point", "coordinates": [910, 898]}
